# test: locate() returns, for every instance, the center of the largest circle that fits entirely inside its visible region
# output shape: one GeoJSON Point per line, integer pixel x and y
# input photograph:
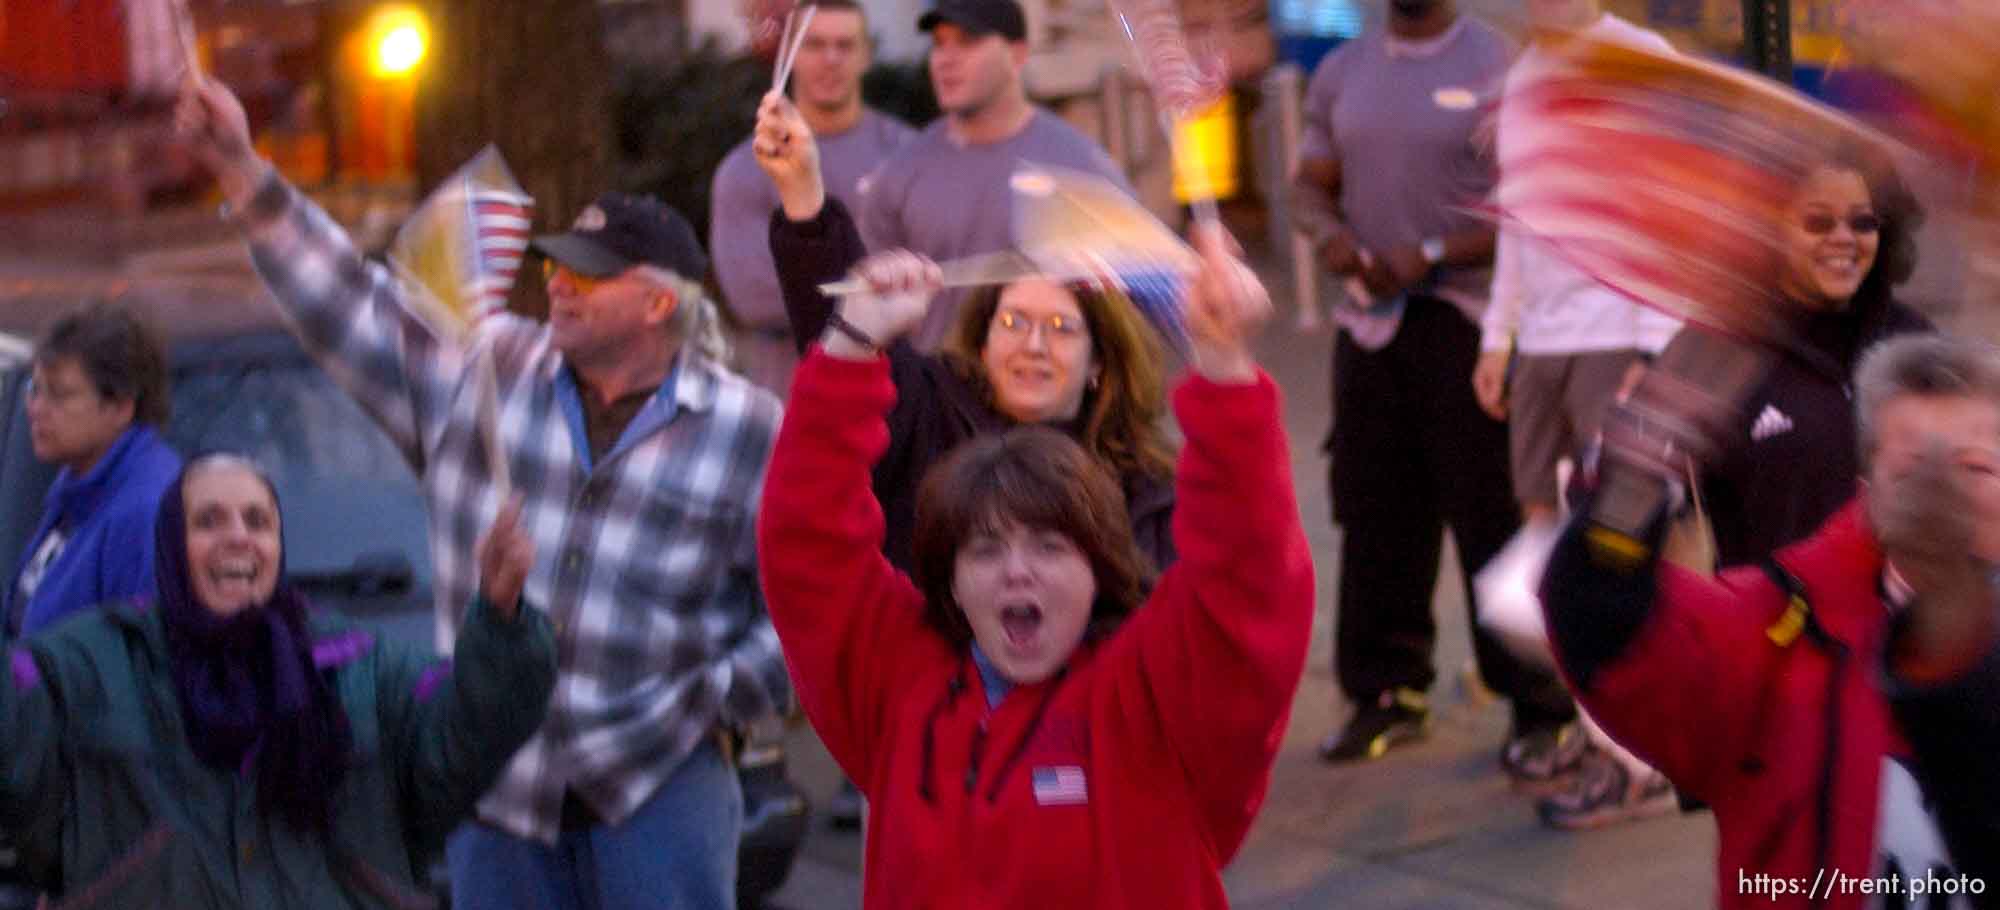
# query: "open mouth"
{"type": "Point", "coordinates": [233, 576]}
{"type": "Point", "coordinates": [1021, 623]}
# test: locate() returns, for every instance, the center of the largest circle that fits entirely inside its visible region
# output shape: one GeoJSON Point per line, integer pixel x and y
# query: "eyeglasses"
{"type": "Point", "coordinates": [1860, 223]}
{"type": "Point", "coordinates": [1019, 325]}
{"type": "Point", "coordinates": [584, 284]}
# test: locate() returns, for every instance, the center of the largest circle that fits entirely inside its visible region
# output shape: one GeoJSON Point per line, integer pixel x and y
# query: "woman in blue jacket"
{"type": "Point", "coordinates": [97, 400]}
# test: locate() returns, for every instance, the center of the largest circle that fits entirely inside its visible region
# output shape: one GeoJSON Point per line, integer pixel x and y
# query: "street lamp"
{"type": "Point", "coordinates": [397, 40]}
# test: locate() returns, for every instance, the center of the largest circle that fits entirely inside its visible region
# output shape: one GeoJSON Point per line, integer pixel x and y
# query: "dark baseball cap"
{"type": "Point", "coordinates": [619, 231]}
{"type": "Point", "coordinates": [980, 17]}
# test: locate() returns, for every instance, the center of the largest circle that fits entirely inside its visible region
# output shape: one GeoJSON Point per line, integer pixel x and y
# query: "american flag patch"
{"type": "Point", "coordinates": [1061, 786]}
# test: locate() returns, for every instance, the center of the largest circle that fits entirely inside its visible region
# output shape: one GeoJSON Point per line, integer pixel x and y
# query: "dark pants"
{"type": "Point", "coordinates": [1413, 453]}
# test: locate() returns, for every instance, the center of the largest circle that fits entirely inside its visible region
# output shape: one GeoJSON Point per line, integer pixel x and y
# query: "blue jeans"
{"type": "Point", "coordinates": [677, 850]}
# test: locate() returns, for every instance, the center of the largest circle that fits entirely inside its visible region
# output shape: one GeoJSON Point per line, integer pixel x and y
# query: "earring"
{"type": "Point", "coordinates": [1093, 383]}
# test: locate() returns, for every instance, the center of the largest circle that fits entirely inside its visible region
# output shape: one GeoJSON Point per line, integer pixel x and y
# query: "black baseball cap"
{"type": "Point", "coordinates": [980, 17]}
{"type": "Point", "coordinates": [619, 231]}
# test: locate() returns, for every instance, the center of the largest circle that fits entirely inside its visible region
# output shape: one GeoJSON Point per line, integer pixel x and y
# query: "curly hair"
{"type": "Point", "coordinates": [1121, 418]}
{"type": "Point", "coordinates": [1039, 478]}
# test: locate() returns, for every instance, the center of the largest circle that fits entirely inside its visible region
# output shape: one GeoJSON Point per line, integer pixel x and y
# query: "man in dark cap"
{"type": "Point", "coordinates": [639, 459]}
{"type": "Point", "coordinates": [945, 193]}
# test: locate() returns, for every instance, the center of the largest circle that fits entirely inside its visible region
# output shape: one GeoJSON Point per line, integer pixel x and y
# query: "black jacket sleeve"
{"type": "Point", "coordinates": [1955, 729]}
{"type": "Point", "coordinates": [1595, 606]}
{"type": "Point", "coordinates": [809, 254]}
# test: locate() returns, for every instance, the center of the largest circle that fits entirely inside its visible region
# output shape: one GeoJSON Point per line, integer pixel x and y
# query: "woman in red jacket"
{"type": "Point", "coordinates": [1029, 731]}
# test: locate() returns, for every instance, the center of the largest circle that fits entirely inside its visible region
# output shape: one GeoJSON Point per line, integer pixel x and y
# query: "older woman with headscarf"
{"type": "Point", "coordinates": [230, 747]}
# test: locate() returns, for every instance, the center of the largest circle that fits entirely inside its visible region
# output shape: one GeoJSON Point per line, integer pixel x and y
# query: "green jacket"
{"type": "Point", "coordinates": [112, 808]}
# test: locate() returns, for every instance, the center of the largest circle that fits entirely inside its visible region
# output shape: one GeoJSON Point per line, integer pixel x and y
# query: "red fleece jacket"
{"type": "Point", "coordinates": [1747, 725]}
{"type": "Point", "coordinates": [1127, 781]}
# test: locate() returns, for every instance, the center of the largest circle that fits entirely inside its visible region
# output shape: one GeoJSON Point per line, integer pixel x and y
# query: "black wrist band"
{"type": "Point", "coordinates": [839, 323]}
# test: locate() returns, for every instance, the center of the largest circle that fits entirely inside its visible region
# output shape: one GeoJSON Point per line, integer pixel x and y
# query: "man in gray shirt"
{"type": "Point", "coordinates": [1394, 150]}
{"type": "Point", "coordinates": [946, 194]}
{"type": "Point", "coordinates": [852, 139]}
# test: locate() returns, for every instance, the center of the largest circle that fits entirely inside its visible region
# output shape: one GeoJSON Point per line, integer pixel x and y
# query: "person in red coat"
{"type": "Point", "coordinates": [1838, 704]}
{"type": "Point", "coordinates": [1031, 730]}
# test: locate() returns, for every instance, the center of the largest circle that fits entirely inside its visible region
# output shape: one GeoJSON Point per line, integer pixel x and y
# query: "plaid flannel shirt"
{"type": "Point", "coordinates": [645, 562]}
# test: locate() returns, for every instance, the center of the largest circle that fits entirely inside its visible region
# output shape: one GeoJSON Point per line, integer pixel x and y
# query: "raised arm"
{"type": "Point", "coordinates": [455, 723]}
{"type": "Point", "coordinates": [1666, 660]}
{"type": "Point", "coordinates": [813, 238]}
{"type": "Point", "coordinates": [1209, 665]}
{"type": "Point", "coordinates": [851, 624]}
{"type": "Point", "coordinates": [348, 313]}
{"type": "Point", "coordinates": [1669, 662]}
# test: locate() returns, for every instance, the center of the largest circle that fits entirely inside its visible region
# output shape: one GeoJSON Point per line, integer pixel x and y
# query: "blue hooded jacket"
{"type": "Point", "coordinates": [110, 512]}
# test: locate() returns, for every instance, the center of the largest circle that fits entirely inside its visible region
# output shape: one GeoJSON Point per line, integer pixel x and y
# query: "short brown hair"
{"type": "Point", "coordinates": [1040, 478]}
{"type": "Point", "coordinates": [120, 353]}
{"type": "Point", "coordinates": [1121, 417]}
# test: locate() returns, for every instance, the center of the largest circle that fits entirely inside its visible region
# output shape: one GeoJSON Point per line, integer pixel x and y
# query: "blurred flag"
{"type": "Point", "coordinates": [1936, 73]}
{"type": "Point", "coordinates": [1076, 225]}
{"type": "Point", "coordinates": [457, 256]}
{"type": "Point", "coordinates": [1662, 176]}
{"type": "Point", "coordinates": [1184, 84]}
{"type": "Point", "coordinates": [462, 248]}
{"type": "Point", "coordinates": [1072, 226]}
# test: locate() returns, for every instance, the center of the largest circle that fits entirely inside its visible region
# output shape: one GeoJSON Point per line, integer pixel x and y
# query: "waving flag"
{"type": "Point", "coordinates": [1936, 69]}
{"type": "Point", "coordinates": [457, 257]}
{"type": "Point", "coordinates": [1183, 83]}
{"type": "Point", "coordinates": [1073, 226]}
{"type": "Point", "coordinates": [1077, 225]}
{"type": "Point", "coordinates": [462, 248]}
{"type": "Point", "coordinates": [1662, 176]}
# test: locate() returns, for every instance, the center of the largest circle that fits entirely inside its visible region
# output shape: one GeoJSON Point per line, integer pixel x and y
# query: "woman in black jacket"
{"type": "Point", "coordinates": [1075, 357]}
{"type": "Point", "coordinates": [1848, 241]}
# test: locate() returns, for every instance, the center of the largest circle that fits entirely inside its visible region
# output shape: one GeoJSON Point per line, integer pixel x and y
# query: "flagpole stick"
{"type": "Point", "coordinates": [798, 41]}
{"type": "Point", "coordinates": [489, 427]}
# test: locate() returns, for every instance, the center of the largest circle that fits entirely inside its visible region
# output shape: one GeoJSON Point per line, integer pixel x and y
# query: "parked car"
{"type": "Point", "coordinates": [355, 531]}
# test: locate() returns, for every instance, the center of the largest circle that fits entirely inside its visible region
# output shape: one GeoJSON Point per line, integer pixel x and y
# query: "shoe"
{"type": "Point", "coordinates": [843, 811]}
{"type": "Point", "coordinates": [1399, 716]}
{"type": "Point", "coordinates": [1543, 755]}
{"type": "Point", "coordinates": [1603, 793]}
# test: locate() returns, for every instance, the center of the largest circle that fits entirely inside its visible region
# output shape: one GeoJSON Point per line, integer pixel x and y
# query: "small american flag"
{"type": "Point", "coordinates": [501, 226]}
{"type": "Point", "coordinates": [1062, 785]}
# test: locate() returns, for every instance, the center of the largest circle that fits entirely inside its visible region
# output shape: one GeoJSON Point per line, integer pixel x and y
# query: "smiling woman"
{"type": "Point", "coordinates": [1077, 358]}
{"type": "Point", "coordinates": [1846, 239]}
{"type": "Point", "coordinates": [1101, 745]}
{"type": "Point", "coordinates": [141, 735]}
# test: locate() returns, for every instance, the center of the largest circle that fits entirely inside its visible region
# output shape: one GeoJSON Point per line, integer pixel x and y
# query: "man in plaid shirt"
{"type": "Point", "coordinates": [640, 459]}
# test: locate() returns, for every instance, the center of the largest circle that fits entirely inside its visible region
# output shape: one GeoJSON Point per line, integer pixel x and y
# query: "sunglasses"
{"type": "Point", "coordinates": [584, 284]}
{"type": "Point", "coordinates": [1859, 223]}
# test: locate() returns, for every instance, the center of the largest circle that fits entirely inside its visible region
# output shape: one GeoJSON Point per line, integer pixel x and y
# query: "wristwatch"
{"type": "Point", "coordinates": [1432, 251]}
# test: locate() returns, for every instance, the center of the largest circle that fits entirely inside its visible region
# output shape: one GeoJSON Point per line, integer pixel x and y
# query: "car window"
{"type": "Point", "coordinates": [345, 490]}
{"type": "Point", "coordinates": [23, 480]}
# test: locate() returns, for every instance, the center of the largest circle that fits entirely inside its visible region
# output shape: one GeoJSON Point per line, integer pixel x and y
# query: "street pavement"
{"type": "Point", "coordinates": [1433, 825]}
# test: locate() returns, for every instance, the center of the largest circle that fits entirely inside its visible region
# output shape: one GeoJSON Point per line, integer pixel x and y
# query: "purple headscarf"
{"type": "Point", "coordinates": [248, 687]}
